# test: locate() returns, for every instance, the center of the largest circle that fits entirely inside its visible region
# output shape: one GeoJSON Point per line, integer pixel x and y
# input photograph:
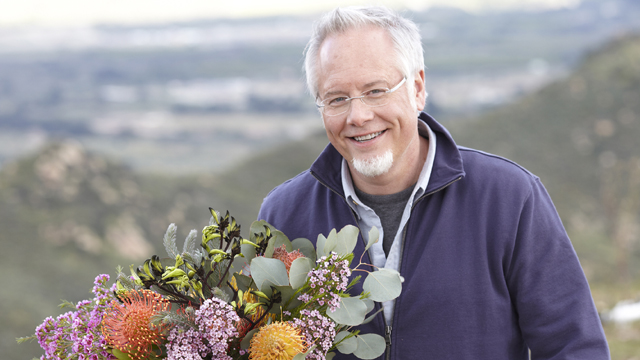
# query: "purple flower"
{"type": "Point", "coordinates": [327, 282]}
{"type": "Point", "coordinates": [318, 330]}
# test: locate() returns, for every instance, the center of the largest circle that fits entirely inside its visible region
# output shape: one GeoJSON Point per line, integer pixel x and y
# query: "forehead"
{"type": "Point", "coordinates": [355, 58]}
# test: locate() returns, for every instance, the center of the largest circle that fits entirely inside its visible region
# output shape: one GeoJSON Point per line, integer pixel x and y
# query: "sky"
{"type": "Point", "coordinates": [88, 12]}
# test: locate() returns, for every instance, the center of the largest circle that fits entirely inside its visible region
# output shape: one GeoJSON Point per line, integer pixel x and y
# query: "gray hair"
{"type": "Point", "coordinates": [403, 32]}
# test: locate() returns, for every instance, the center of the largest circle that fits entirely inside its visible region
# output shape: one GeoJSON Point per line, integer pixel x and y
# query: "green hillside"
{"type": "Point", "coordinates": [67, 216]}
{"type": "Point", "coordinates": [581, 136]}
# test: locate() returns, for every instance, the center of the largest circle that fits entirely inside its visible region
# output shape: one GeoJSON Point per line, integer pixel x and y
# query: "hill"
{"type": "Point", "coordinates": [580, 135]}
{"type": "Point", "coordinates": [66, 216]}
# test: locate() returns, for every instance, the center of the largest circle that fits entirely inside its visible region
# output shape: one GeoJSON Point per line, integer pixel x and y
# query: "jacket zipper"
{"type": "Point", "coordinates": [388, 328]}
{"type": "Point", "coordinates": [404, 236]}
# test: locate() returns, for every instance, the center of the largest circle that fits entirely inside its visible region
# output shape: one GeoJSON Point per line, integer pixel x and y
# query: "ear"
{"type": "Point", "coordinates": [420, 90]}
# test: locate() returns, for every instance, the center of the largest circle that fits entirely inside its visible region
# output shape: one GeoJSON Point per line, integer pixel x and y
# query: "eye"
{"type": "Point", "coordinates": [336, 101]}
{"type": "Point", "coordinates": [375, 93]}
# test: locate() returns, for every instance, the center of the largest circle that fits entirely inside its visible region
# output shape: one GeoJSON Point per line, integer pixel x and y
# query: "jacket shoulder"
{"type": "Point", "coordinates": [293, 187]}
{"type": "Point", "coordinates": [284, 197]}
{"type": "Point", "coordinates": [492, 172]}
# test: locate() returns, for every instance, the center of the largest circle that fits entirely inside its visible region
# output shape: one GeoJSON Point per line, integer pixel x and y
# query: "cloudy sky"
{"type": "Point", "coordinates": [83, 12]}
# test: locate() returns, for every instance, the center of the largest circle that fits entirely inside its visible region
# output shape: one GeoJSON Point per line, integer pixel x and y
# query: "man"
{"type": "Point", "coordinates": [489, 272]}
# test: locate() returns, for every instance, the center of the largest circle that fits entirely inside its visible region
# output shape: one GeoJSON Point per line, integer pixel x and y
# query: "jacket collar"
{"type": "Point", "coordinates": [446, 168]}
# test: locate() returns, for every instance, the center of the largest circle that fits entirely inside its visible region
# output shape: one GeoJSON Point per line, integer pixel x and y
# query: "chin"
{"type": "Point", "coordinates": [374, 166]}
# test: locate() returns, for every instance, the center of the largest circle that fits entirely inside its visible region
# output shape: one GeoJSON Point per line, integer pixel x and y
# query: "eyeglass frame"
{"type": "Point", "coordinates": [361, 97]}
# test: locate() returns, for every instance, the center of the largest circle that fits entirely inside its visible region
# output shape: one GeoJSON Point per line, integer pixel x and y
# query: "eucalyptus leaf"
{"type": "Point", "coordinates": [278, 239]}
{"type": "Point", "coordinates": [332, 241]}
{"type": "Point", "coordinates": [249, 251]}
{"type": "Point", "coordinates": [320, 246]}
{"type": "Point", "coordinates": [246, 341]}
{"type": "Point", "coordinates": [242, 281]}
{"type": "Point", "coordinates": [300, 267]}
{"type": "Point", "coordinates": [351, 312]}
{"type": "Point", "coordinates": [287, 293]}
{"type": "Point", "coordinates": [239, 264]}
{"type": "Point", "coordinates": [346, 346]}
{"type": "Point", "coordinates": [374, 235]}
{"type": "Point", "coordinates": [370, 304]}
{"type": "Point", "coordinates": [372, 316]}
{"type": "Point", "coordinates": [330, 355]}
{"type": "Point", "coordinates": [347, 240]}
{"type": "Point", "coordinates": [370, 346]}
{"type": "Point", "coordinates": [257, 227]}
{"type": "Point", "coordinates": [383, 285]}
{"type": "Point", "coordinates": [305, 247]}
{"type": "Point", "coordinates": [302, 356]}
{"type": "Point", "coordinates": [267, 271]}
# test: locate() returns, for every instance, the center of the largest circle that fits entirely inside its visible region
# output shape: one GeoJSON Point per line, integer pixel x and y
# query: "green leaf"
{"type": "Point", "coordinates": [351, 312]}
{"type": "Point", "coordinates": [372, 316]}
{"type": "Point", "coordinates": [238, 264]}
{"type": "Point", "coordinates": [300, 267]}
{"type": "Point", "coordinates": [242, 281]}
{"type": "Point", "coordinates": [370, 346]}
{"type": "Point", "coordinates": [120, 355]}
{"type": "Point", "coordinates": [370, 304]}
{"type": "Point", "coordinates": [374, 235]}
{"type": "Point", "coordinates": [332, 241]}
{"type": "Point", "coordinates": [266, 271]}
{"type": "Point", "coordinates": [302, 356]}
{"type": "Point", "coordinates": [347, 240]}
{"type": "Point", "coordinates": [383, 285]}
{"type": "Point", "coordinates": [246, 341]}
{"type": "Point", "coordinates": [249, 251]}
{"type": "Point", "coordinates": [320, 246]}
{"type": "Point", "coordinates": [287, 293]}
{"type": "Point", "coordinates": [305, 247]}
{"type": "Point", "coordinates": [346, 346]}
{"type": "Point", "coordinates": [278, 239]}
{"type": "Point", "coordinates": [330, 355]}
{"type": "Point", "coordinates": [257, 227]}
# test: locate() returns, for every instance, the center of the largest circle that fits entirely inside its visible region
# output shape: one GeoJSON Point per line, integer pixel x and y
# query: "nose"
{"type": "Point", "coordinates": [359, 113]}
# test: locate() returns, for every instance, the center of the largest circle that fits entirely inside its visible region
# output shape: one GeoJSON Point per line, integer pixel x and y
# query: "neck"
{"type": "Point", "coordinates": [404, 172]}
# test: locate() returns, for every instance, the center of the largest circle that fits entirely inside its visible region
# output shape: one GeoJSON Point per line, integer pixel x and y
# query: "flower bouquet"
{"type": "Point", "coordinates": [226, 297]}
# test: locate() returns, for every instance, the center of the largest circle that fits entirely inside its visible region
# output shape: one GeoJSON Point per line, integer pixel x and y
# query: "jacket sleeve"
{"type": "Point", "coordinates": [556, 313]}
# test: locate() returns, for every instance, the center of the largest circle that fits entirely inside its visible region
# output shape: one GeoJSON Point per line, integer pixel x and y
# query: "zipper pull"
{"type": "Point", "coordinates": [387, 335]}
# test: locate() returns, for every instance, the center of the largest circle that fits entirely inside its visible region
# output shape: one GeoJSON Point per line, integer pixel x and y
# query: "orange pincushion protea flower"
{"type": "Point", "coordinates": [277, 341]}
{"type": "Point", "coordinates": [287, 258]}
{"type": "Point", "coordinates": [127, 327]}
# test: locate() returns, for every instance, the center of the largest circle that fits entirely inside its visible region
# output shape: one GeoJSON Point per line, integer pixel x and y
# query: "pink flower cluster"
{"type": "Point", "coordinates": [318, 330]}
{"type": "Point", "coordinates": [76, 334]}
{"type": "Point", "coordinates": [216, 321]}
{"type": "Point", "coordinates": [327, 280]}
{"type": "Point", "coordinates": [185, 345]}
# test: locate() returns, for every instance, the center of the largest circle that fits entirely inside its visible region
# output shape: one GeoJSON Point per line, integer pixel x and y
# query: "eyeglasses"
{"type": "Point", "coordinates": [338, 105]}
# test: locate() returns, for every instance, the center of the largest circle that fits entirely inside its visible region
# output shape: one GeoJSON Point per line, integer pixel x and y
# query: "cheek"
{"type": "Point", "coordinates": [332, 127]}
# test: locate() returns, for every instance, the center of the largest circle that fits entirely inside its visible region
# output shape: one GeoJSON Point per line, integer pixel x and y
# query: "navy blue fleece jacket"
{"type": "Point", "coordinates": [489, 270]}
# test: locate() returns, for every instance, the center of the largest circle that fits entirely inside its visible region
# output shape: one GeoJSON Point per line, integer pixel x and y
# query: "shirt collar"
{"type": "Point", "coordinates": [423, 180]}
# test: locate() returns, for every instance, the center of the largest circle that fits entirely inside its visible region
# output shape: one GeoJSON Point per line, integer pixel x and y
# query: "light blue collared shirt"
{"type": "Point", "coordinates": [368, 218]}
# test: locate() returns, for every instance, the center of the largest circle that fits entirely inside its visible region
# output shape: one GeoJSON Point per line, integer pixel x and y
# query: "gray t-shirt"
{"type": "Point", "coordinates": [389, 209]}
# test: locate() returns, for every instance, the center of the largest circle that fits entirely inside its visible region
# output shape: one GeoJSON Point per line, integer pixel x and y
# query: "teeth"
{"type": "Point", "coordinates": [367, 137]}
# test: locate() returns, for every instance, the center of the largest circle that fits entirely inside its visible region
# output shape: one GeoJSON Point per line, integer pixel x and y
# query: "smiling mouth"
{"type": "Point", "coordinates": [367, 137]}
